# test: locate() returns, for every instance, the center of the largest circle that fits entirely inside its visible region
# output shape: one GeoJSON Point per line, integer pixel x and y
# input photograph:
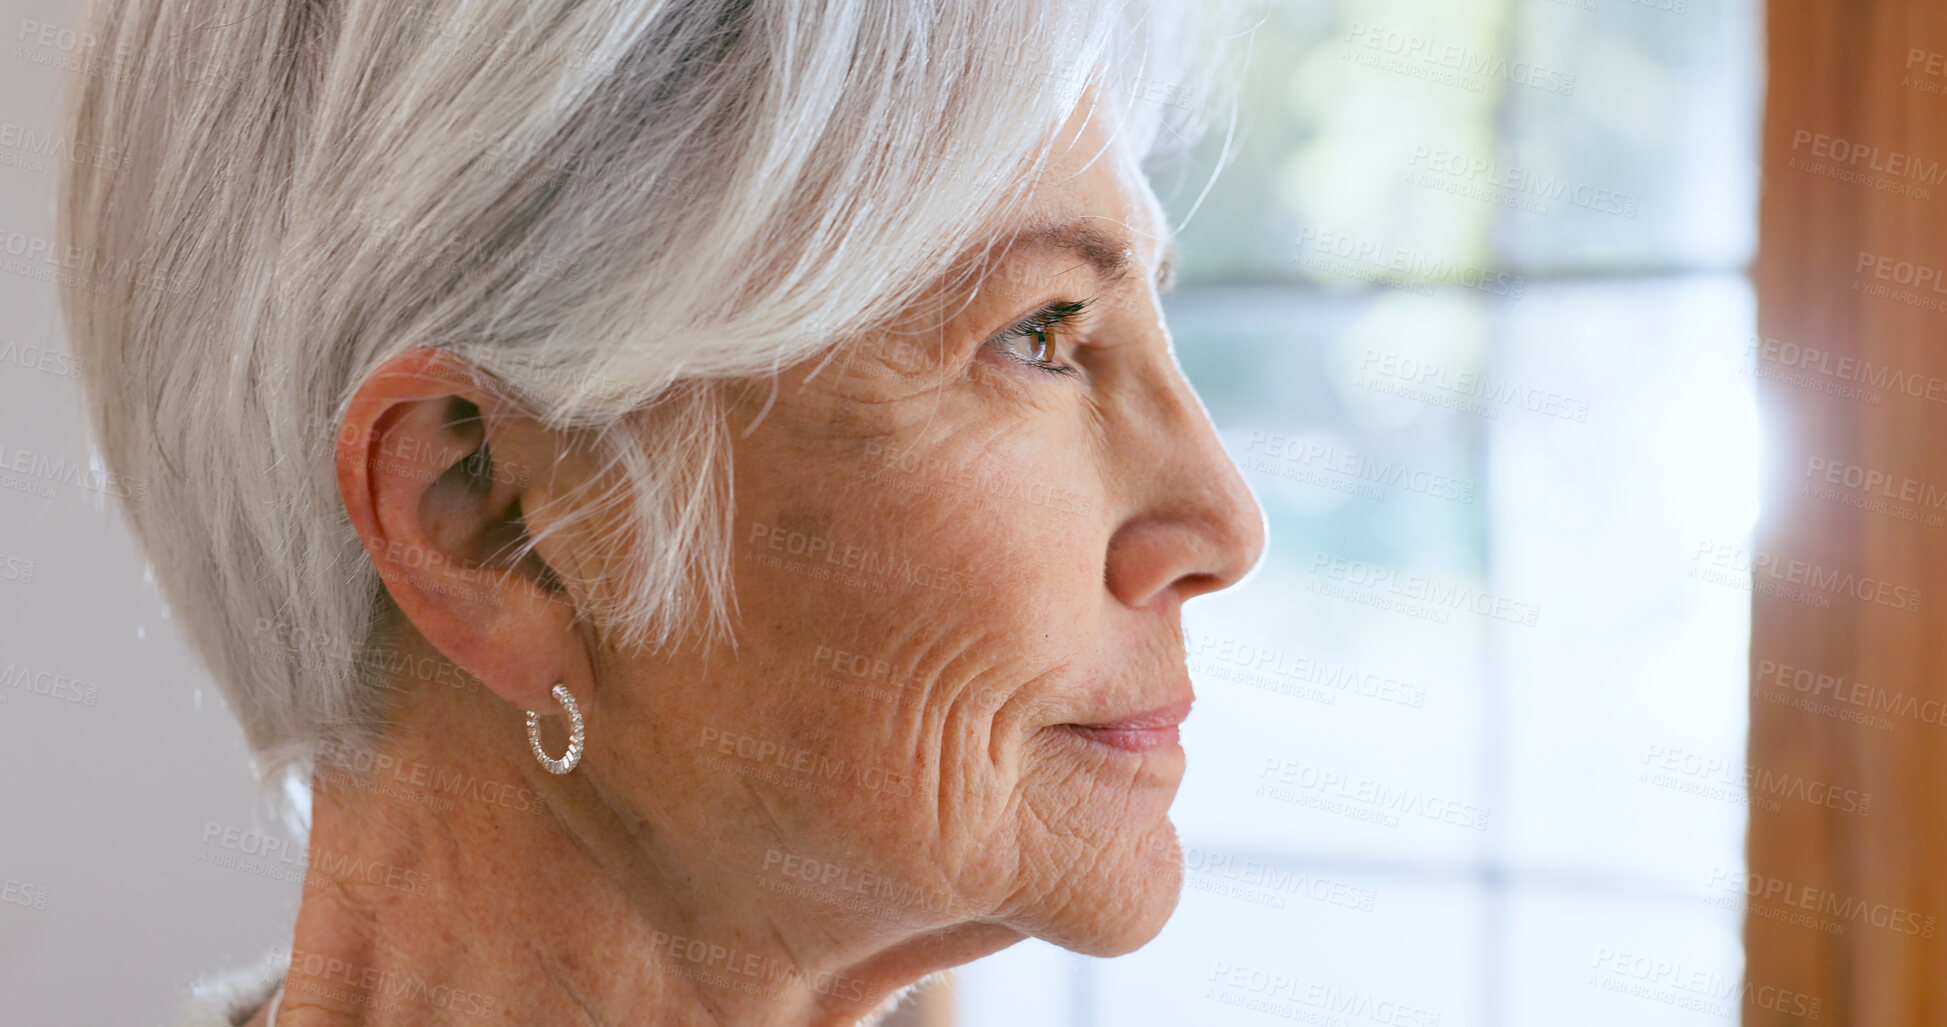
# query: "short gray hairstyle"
{"type": "Point", "coordinates": [606, 205]}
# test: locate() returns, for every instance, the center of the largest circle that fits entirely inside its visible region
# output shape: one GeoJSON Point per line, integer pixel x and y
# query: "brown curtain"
{"type": "Point", "coordinates": [1848, 754]}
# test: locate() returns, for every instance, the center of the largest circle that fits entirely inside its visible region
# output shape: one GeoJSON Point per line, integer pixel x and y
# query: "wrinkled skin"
{"type": "Point", "coordinates": [944, 557]}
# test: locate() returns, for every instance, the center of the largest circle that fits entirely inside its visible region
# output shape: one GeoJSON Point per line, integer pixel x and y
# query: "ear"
{"type": "Point", "coordinates": [441, 475]}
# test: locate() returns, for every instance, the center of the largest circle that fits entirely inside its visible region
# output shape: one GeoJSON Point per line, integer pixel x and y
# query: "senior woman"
{"type": "Point", "coordinates": [695, 498]}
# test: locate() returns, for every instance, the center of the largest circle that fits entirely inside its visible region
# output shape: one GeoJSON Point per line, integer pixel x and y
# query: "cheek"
{"type": "Point", "coordinates": [899, 574]}
{"type": "Point", "coordinates": [915, 600]}
{"type": "Point", "coordinates": [1008, 555]}
{"type": "Point", "coordinates": [925, 628]}
{"type": "Point", "coordinates": [911, 609]}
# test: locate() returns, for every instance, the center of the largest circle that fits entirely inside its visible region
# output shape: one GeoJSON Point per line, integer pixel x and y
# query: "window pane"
{"type": "Point", "coordinates": [1333, 111]}
{"type": "Point", "coordinates": [1636, 669]}
{"type": "Point", "coordinates": [1651, 163]}
{"type": "Point", "coordinates": [1467, 310]}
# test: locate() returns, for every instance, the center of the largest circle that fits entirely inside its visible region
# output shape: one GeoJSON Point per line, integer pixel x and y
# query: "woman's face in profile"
{"type": "Point", "coordinates": [960, 555]}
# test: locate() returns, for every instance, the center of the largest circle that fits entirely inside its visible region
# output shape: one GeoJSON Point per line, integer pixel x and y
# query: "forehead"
{"type": "Point", "coordinates": [1090, 204]}
{"type": "Point", "coordinates": [1092, 176]}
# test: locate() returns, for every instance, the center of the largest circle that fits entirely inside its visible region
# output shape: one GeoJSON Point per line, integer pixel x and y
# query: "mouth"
{"type": "Point", "coordinates": [1143, 732]}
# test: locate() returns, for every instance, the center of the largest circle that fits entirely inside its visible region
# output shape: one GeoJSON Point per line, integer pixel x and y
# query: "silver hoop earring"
{"type": "Point", "coordinates": [573, 755]}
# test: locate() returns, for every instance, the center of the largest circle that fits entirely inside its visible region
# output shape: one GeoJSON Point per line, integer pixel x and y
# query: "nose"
{"type": "Point", "coordinates": [1191, 525]}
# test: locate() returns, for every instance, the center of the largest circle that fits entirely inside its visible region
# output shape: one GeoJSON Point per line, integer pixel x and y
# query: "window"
{"type": "Point", "coordinates": [1469, 307]}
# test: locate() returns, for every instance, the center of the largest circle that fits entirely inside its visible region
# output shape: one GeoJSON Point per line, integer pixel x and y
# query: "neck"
{"type": "Point", "coordinates": [457, 879]}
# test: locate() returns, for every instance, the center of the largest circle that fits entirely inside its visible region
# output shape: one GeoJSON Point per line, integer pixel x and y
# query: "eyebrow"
{"type": "Point", "coordinates": [1108, 253]}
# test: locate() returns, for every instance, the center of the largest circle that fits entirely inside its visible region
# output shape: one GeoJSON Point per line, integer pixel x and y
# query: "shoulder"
{"type": "Point", "coordinates": [228, 997]}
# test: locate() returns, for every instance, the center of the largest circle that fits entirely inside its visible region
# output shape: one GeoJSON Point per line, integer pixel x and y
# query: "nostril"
{"type": "Point", "coordinates": [1193, 585]}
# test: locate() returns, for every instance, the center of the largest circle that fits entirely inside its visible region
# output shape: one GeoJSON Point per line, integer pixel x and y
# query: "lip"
{"type": "Point", "coordinates": [1148, 731]}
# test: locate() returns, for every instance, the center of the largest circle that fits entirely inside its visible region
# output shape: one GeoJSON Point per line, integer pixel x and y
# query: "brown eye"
{"type": "Point", "coordinates": [1032, 343]}
{"type": "Point", "coordinates": [1031, 340]}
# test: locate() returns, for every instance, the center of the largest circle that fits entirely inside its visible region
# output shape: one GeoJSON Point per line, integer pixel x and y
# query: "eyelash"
{"type": "Point", "coordinates": [1042, 322]}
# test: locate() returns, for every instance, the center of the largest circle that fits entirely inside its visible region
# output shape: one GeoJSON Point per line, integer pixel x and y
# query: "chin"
{"type": "Point", "coordinates": [1125, 900]}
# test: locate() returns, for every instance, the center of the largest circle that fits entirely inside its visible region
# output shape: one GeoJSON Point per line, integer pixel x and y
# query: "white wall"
{"type": "Point", "coordinates": [109, 780]}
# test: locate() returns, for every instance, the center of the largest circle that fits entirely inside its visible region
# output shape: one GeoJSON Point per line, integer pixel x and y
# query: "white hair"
{"type": "Point", "coordinates": [606, 205]}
